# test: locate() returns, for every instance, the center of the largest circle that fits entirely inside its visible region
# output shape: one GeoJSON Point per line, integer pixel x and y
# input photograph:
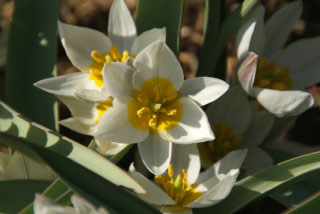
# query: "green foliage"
{"type": "Point", "coordinates": [31, 57]}
{"type": "Point", "coordinates": [164, 13]}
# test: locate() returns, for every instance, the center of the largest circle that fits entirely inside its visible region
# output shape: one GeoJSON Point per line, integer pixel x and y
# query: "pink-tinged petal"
{"type": "Point", "coordinates": [193, 127]}
{"type": "Point", "coordinates": [155, 154]}
{"type": "Point", "coordinates": [186, 157]}
{"type": "Point", "coordinates": [157, 61]}
{"type": "Point", "coordinates": [232, 108]}
{"type": "Point", "coordinates": [114, 125]}
{"type": "Point", "coordinates": [121, 27]}
{"type": "Point", "coordinates": [148, 37]}
{"type": "Point", "coordinates": [302, 57]}
{"type": "Point", "coordinates": [247, 72]}
{"type": "Point", "coordinates": [155, 195]}
{"type": "Point", "coordinates": [284, 103]}
{"type": "Point", "coordinates": [279, 26]}
{"type": "Point", "coordinates": [251, 36]}
{"type": "Point", "coordinates": [203, 90]}
{"type": "Point", "coordinates": [79, 42]}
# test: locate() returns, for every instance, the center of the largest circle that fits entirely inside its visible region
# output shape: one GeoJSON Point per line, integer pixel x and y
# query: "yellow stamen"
{"type": "Point", "coordinates": [115, 53]}
{"type": "Point", "coordinates": [102, 107]}
{"type": "Point", "coordinates": [98, 57]}
{"type": "Point", "coordinates": [125, 55]}
{"type": "Point", "coordinates": [178, 188]}
{"type": "Point", "coordinates": [143, 111]}
{"type": "Point", "coordinates": [225, 142]}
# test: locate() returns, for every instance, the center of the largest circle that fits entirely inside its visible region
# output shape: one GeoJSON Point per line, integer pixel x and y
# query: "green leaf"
{"type": "Point", "coordinates": [158, 14]}
{"type": "Point", "coordinates": [13, 124]}
{"type": "Point", "coordinates": [31, 57]}
{"type": "Point", "coordinates": [310, 205]}
{"type": "Point", "coordinates": [16, 194]}
{"type": "Point", "coordinates": [55, 191]}
{"type": "Point", "coordinates": [272, 179]}
{"type": "Point", "coordinates": [228, 26]}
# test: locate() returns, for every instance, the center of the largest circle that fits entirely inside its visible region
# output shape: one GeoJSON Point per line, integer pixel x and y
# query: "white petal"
{"type": "Point", "coordinates": [203, 90]}
{"type": "Point", "coordinates": [302, 57]}
{"type": "Point", "coordinates": [121, 27]}
{"type": "Point", "coordinates": [247, 72]}
{"type": "Point", "coordinates": [251, 36]}
{"type": "Point", "coordinates": [186, 157]}
{"type": "Point", "coordinates": [81, 125]}
{"type": "Point", "coordinates": [66, 85]}
{"type": "Point", "coordinates": [157, 60]}
{"type": "Point", "coordinates": [155, 154]}
{"type": "Point", "coordinates": [82, 206]}
{"type": "Point", "coordinates": [279, 26]}
{"type": "Point", "coordinates": [284, 103]}
{"type": "Point", "coordinates": [148, 37]}
{"type": "Point", "coordinates": [232, 108]}
{"type": "Point", "coordinates": [79, 42]}
{"type": "Point", "coordinates": [43, 205]}
{"type": "Point", "coordinates": [118, 79]}
{"type": "Point", "coordinates": [114, 125]}
{"type": "Point", "coordinates": [109, 148]}
{"type": "Point", "coordinates": [154, 195]}
{"type": "Point", "coordinates": [258, 129]}
{"type": "Point", "coordinates": [226, 165]}
{"type": "Point", "coordinates": [92, 95]}
{"type": "Point", "coordinates": [22, 167]}
{"type": "Point", "coordinates": [193, 127]}
{"type": "Point", "coordinates": [257, 160]}
{"type": "Point", "coordinates": [217, 193]}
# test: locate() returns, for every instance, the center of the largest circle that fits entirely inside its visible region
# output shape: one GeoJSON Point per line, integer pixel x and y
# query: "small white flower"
{"type": "Point", "coordinates": [237, 123]}
{"type": "Point", "coordinates": [84, 92]}
{"type": "Point", "coordinates": [176, 192]}
{"type": "Point", "coordinates": [277, 76]}
{"type": "Point", "coordinates": [153, 106]}
{"type": "Point", "coordinates": [43, 205]}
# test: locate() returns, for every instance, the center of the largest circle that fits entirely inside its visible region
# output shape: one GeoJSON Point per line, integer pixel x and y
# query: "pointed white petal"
{"type": "Point", "coordinates": [67, 84]}
{"type": "Point", "coordinates": [121, 27]}
{"type": "Point", "coordinates": [92, 95]}
{"type": "Point", "coordinates": [155, 195]}
{"type": "Point", "coordinates": [284, 103]}
{"type": "Point", "coordinates": [251, 36]}
{"type": "Point", "coordinates": [114, 125]}
{"type": "Point", "coordinates": [157, 60]}
{"type": "Point", "coordinates": [155, 154]}
{"type": "Point", "coordinates": [82, 206]}
{"type": "Point", "coordinates": [81, 125]}
{"type": "Point", "coordinates": [78, 43]}
{"type": "Point", "coordinates": [109, 148]}
{"type": "Point", "coordinates": [186, 157]}
{"type": "Point", "coordinates": [217, 193]}
{"type": "Point", "coordinates": [118, 79]}
{"type": "Point", "coordinates": [257, 160]}
{"type": "Point", "coordinates": [260, 126]}
{"type": "Point", "coordinates": [148, 37]}
{"type": "Point", "coordinates": [193, 127]}
{"type": "Point", "coordinates": [302, 57]}
{"type": "Point", "coordinates": [232, 108]}
{"type": "Point", "coordinates": [247, 72]}
{"type": "Point", "coordinates": [203, 90]}
{"type": "Point", "coordinates": [279, 26]}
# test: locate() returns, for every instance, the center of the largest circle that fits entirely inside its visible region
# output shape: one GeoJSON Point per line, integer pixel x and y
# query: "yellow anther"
{"type": "Point", "coordinates": [171, 112]}
{"type": "Point", "coordinates": [108, 58]}
{"type": "Point", "coordinates": [143, 111]}
{"type": "Point", "coordinates": [184, 176]}
{"type": "Point", "coordinates": [125, 55]}
{"type": "Point", "coordinates": [153, 121]}
{"type": "Point", "coordinates": [95, 71]}
{"type": "Point", "coordinates": [98, 57]}
{"type": "Point", "coordinates": [102, 107]}
{"type": "Point", "coordinates": [170, 171]}
{"type": "Point", "coordinates": [115, 53]}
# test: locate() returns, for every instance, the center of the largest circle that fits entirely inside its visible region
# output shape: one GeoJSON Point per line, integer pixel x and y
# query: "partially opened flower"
{"type": "Point", "coordinates": [237, 124]}
{"type": "Point", "coordinates": [177, 192]}
{"type": "Point", "coordinates": [43, 205]}
{"type": "Point", "coordinates": [277, 76]}
{"type": "Point", "coordinates": [84, 92]}
{"type": "Point", "coordinates": [154, 107]}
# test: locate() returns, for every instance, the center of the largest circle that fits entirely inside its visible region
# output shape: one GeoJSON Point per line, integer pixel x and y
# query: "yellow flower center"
{"type": "Point", "coordinates": [99, 59]}
{"type": "Point", "coordinates": [155, 106]}
{"type": "Point", "coordinates": [178, 188]}
{"type": "Point", "coordinates": [270, 75]}
{"type": "Point", "coordinates": [225, 142]}
{"type": "Point", "coordinates": [103, 107]}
